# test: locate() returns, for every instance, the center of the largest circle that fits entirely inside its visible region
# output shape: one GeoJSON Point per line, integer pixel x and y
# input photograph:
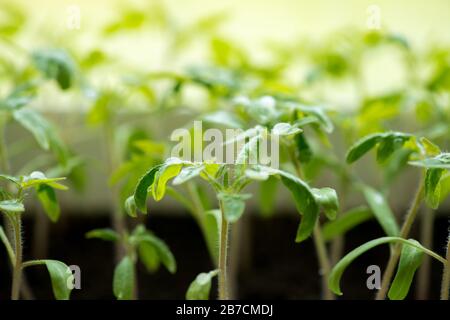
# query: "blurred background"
{"type": "Point", "coordinates": [117, 42]}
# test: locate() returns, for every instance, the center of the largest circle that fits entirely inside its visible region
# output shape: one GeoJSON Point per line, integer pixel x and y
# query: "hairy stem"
{"type": "Point", "coordinates": [17, 268]}
{"type": "Point", "coordinates": [324, 262]}
{"type": "Point", "coordinates": [426, 239]}
{"type": "Point", "coordinates": [223, 290]}
{"type": "Point", "coordinates": [404, 233]}
{"type": "Point", "coordinates": [446, 274]}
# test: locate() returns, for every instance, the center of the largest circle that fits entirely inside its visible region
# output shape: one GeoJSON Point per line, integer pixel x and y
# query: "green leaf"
{"type": "Point", "coordinates": [345, 222]}
{"type": "Point", "coordinates": [201, 286]}
{"type": "Point", "coordinates": [381, 210]}
{"type": "Point", "coordinates": [167, 171]}
{"type": "Point", "coordinates": [317, 112]}
{"type": "Point", "coordinates": [149, 256]}
{"type": "Point", "coordinates": [223, 118]}
{"type": "Point", "coordinates": [123, 282]}
{"type": "Point", "coordinates": [57, 65]}
{"type": "Point", "coordinates": [34, 123]}
{"type": "Point", "coordinates": [285, 129]}
{"type": "Point", "coordinates": [61, 278]}
{"type": "Point", "coordinates": [388, 143]}
{"type": "Point", "coordinates": [304, 198]}
{"type": "Point", "coordinates": [11, 206]}
{"type": "Point", "coordinates": [103, 234]}
{"type": "Point", "coordinates": [233, 205]}
{"type": "Point", "coordinates": [10, 179]}
{"type": "Point", "coordinates": [130, 207]}
{"type": "Point", "coordinates": [267, 196]}
{"type": "Point", "coordinates": [165, 255]}
{"type": "Point", "coordinates": [37, 178]}
{"type": "Point", "coordinates": [305, 203]}
{"type": "Point", "coordinates": [441, 161]}
{"type": "Point", "coordinates": [141, 191]}
{"type": "Point", "coordinates": [188, 173]}
{"type": "Point", "coordinates": [47, 197]}
{"type": "Point", "coordinates": [328, 200]}
{"type": "Point", "coordinates": [433, 187]}
{"type": "Point", "coordinates": [336, 274]}
{"type": "Point", "coordinates": [410, 259]}
{"type": "Point", "coordinates": [304, 151]}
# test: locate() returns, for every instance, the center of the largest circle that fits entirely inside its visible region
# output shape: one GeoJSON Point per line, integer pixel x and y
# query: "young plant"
{"type": "Point", "coordinates": [411, 255]}
{"type": "Point", "coordinates": [142, 244]}
{"type": "Point", "coordinates": [12, 206]}
{"type": "Point", "coordinates": [228, 182]}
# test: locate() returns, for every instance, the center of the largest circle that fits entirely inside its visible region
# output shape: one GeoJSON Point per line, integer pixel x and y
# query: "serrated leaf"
{"type": "Point", "coordinates": [201, 286]}
{"type": "Point", "coordinates": [381, 210]}
{"type": "Point", "coordinates": [327, 198]}
{"type": "Point", "coordinates": [103, 234]}
{"type": "Point", "coordinates": [345, 222]}
{"type": "Point", "coordinates": [47, 197]}
{"type": "Point", "coordinates": [411, 258]}
{"type": "Point", "coordinates": [123, 281]}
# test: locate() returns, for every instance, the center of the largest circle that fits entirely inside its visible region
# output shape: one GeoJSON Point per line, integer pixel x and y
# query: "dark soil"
{"type": "Point", "coordinates": [272, 267]}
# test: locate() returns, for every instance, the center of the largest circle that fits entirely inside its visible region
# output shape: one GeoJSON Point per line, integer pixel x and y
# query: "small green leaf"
{"type": "Point", "coordinates": [411, 258]}
{"type": "Point", "coordinates": [47, 197]}
{"type": "Point", "coordinates": [328, 200]}
{"type": "Point", "coordinates": [381, 210]}
{"type": "Point", "coordinates": [304, 151]}
{"type": "Point", "coordinates": [201, 286]}
{"type": "Point", "coordinates": [317, 112]}
{"type": "Point", "coordinates": [165, 255]}
{"type": "Point", "coordinates": [345, 222]}
{"type": "Point", "coordinates": [61, 278]}
{"type": "Point", "coordinates": [123, 282]}
{"type": "Point", "coordinates": [103, 234]}
{"type": "Point", "coordinates": [141, 191]}
{"type": "Point", "coordinates": [130, 207]}
{"type": "Point", "coordinates": [11, 206]}
{"type": "Point", "coordinates": [233, 205]}
{"type": "Point", "coordinates": [56, 64]}
{"type": "Point", "coordinates": [149, 256]}
{"type": "Point", "coordinates": [433, 187]}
